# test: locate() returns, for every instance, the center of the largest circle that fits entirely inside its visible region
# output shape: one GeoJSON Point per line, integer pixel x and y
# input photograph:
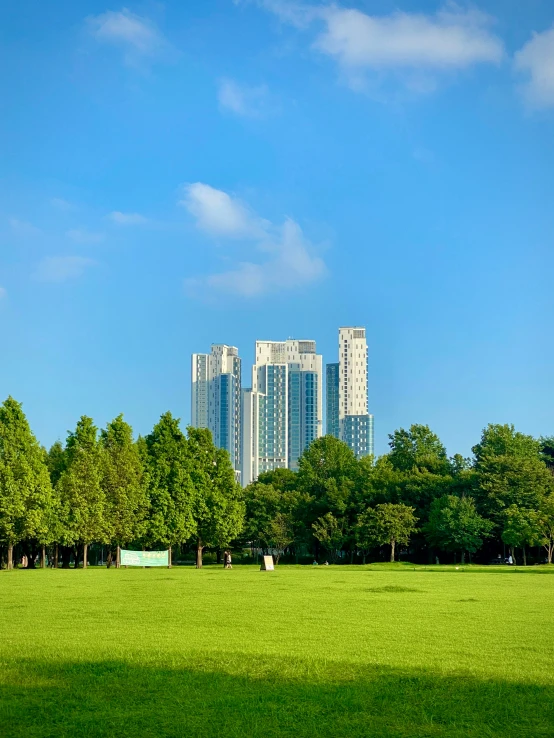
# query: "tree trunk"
{"type": "Point", "coordinates": [392, 545]}
{"type": "Point", "coordinates": [169, 557]}
{"type": "Point", "coordinates": [199, 548]}
{"type": "Point", "coordinates": [30, 551]}
{"type": "Point", "coordinates": [549, 553]}
{"type": "Point", "coordinates": [218, 556]}
{"type": "Point", "coordinates": [513, 552]}
{"type": "Point", "coordinates": [463, 558]}
{"type": "Point", "coordinates": [85, 551]}
{"type": "Point", "coordinates": [56, 554]}
{"type": "Point", "coordinates": [43, 557]}
{"type": "Point", "coordinates": [524, 556]}
{"type": "Point", "coordinates": [66, 557]}
{"type": "Point", "coordinates": [109, 559]}
{"type": "Point", "coordinates": [363, 560]}
{"type": "Point", "coordinates": [118, 558]}
{"type": "Point", "coordinates": [10, 556]}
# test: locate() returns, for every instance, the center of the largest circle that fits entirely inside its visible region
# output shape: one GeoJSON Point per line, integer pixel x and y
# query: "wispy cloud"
{"type": "Point", "coordinates": [61, 204]}
{"type": "Point", "coordinates": [127, 218]}
{"type": "Point", "coordinates": [136, 35]}
{"type": "Point", "coordinates": [219, 214]}
{"type": "Point", "coordinates": [290, 260]}
{"type": "Point", "coordinates": [243, 100]}
{"type": "Point", "coordinates": [414, 48]}
{"type": "Point", "coordinates": [82, 235]}
{"type": "Point", "coordinates": [61, 268]}
{"type": "Point", "coordinates": [3, 293]}
{"type": "Point", "coordinates": [536, 61]}
{"type": "Point", "coordinates": [23, 228]}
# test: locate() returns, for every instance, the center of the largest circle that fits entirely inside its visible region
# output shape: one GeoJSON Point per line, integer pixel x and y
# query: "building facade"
{"type": "Point", "coordinates": [348, 415]}
{"type": "Point", "coordinates": [216, 398]}
{"type": "Point", "coordinates": [332, 397]}
{"type": "Point", "coordinates": [283, 410]}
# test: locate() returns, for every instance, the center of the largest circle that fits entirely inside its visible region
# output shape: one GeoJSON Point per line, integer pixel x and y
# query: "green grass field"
{"type": "Point", "coordinates": [299, 652]}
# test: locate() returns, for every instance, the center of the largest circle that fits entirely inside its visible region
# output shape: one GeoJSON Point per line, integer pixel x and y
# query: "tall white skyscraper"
{"type": "Point", "coordinates": [283, 411]}
{"type": "Point", "coordinates": [347, 393]}
{"type": "Point", "coordinates": [216, 388]}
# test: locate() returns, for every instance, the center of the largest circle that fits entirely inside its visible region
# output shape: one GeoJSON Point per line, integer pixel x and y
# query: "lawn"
{"type": "Point", "coordinates": [300, 652]}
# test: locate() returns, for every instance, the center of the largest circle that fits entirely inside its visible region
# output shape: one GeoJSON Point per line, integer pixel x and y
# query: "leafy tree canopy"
{"type": "Point", "coordinates": [455, 525]}
{"type": "Point", "coordinates": [418, 448]}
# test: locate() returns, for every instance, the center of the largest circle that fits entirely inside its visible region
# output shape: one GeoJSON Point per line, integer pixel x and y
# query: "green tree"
{"type": "Point", "coordinates": [25, 489]}
{"type": "Point", "coordinates": [327, 478]}
{"type": "Point", "coordinates": [267, 508]}
{"type": "Point", "coordinates": [171, 491]}
{"type": "Point", "coordinates": [546, 445]}
{"type": "Point", "coordinates": [82, 498]}
{"type": "Point", "coordinates": [263, 502]}
{"type": "Point", "coordinates": [455, 525]}
{"type": "Point", "coordinates": [418, 448]}
{"type": "Point", "coordinates": [284, 480]}
{"type": "Point", "coordinates": [545, 524]}
{"type": "Point", "coordinates": [56, 462]}
{"type": "Point", "coordinates": [219, 507]}
{"type": "Point", "coordinates": [422, 471]}
{"type": "Point", "coordinates": [510, 471]}
{"type": "Point", "coordinates": [330, 532]}
{"type": "Point", "coordinates": [123, 483]}
{"type": "Point", "coordinates": [386, 524]}
{"type": "Point", "coordinates": [280, 533]}
{"type": "Point", "coordinates": [521, 528]}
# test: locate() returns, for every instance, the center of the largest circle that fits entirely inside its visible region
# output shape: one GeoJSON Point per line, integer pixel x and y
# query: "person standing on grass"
{"type": "Point", "coordinates": [229, 564]}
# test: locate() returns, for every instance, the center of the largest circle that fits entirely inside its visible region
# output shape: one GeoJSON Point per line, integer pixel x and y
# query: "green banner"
{"type": "Point", "coordinates": [143, 558]}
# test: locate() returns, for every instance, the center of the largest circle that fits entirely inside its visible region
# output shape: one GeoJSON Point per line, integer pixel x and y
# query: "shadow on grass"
{"type": "Point", "coordinates": [232, 696]}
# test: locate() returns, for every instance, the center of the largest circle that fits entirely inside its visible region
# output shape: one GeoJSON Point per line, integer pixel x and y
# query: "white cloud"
{"type": "Point", "coordinates": [293, 13]}
{"type": "Point", "coordinates": [536, 61]}
{"type": "Point", "coordinates": [81, 235]}
{"type": "Point", "coordinates": [3, 293]}
{"type": "Point", "coordinates": [401, 43]}
{"type": "Point", "coordinates": [290, 261]}
{"type": "Point", "coordinates": [23, 228]}
{"type": "Point", "coordinates": [61, 268]}
{"type": "Point", "coordinates": [443, 41]}
{"type": "Point", "coordinates": [138, 36]}
{"type": "Point", "coordinates": [250, 102]}
{"type": "Point", "coordinates": [127, 218]}
{"type": "Point", "coordinates": [219, 214]}
{"type": "Point", "coordinates": [61, 204]}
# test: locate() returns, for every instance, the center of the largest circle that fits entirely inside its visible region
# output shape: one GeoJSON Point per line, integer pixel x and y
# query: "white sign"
{"type": "Point", "coordinates": [267, 564]}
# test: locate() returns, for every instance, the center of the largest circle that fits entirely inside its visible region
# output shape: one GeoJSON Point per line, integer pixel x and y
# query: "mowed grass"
{"type": "Point", "coordinates": [299, 652]}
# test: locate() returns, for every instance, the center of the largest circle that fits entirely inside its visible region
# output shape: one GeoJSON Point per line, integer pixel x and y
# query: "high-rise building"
{"type": "Point", "coordinates": [347, 389]}
{"type": "Point", "coordinates": [216, 397]}
{"type": "Point", "coordinates": [332, 391]}
{"type": "Point", "coordinates": [283, 411]}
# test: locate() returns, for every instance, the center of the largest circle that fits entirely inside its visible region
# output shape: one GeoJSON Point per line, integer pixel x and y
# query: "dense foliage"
{"type": "Point", "coordinates": [176, 490]}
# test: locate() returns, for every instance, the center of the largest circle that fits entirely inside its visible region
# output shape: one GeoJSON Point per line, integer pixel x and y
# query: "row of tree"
{"type": "Point", "coordinates": [413, 496]}
{"type": "Point", "coordinates": [176, 490]}
{"type": "Point", "coordinates": [163, 490]}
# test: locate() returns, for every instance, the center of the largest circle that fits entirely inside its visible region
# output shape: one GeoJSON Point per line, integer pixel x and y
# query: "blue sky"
{"type": "Point", "coordinates": [180, 174]}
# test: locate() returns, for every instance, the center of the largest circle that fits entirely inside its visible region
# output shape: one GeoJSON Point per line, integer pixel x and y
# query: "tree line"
{"type": "Point", "coordinates": [163, 490]}
{"type": "Point", "coordinates": [176, 490]}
